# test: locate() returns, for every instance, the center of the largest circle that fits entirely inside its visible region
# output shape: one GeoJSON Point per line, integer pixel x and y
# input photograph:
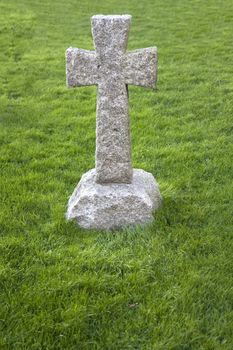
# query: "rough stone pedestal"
{"type": "Point", "coordinates": [108, 206]}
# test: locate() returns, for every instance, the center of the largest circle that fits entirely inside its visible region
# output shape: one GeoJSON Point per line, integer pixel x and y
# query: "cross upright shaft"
{"type": "Point", "coordinates": [112, 69]}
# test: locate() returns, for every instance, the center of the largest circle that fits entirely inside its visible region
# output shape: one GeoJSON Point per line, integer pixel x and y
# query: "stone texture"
{"type": "Point", "coordinates": [112, 195]}
{"type": "Point", "coordinates": [112, 68]}
{"type": "Point", "coordinates": [110, 206]}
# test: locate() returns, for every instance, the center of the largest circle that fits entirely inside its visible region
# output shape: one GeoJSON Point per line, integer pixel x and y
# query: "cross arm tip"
{"type": "Point", "coordinates": [141, 67]}
{"type": "Point", "coordinates": [81, 67]}
{"type": "Point", "coordinates": [111, 17]}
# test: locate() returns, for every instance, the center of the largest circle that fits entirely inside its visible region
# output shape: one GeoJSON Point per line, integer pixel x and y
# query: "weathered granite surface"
{"type": "Point", "coordinates": [113, 194]}
{"type": "Point", "coordinates": [110, 206]}
{"type": "Point", "coordinates": [112, 68]}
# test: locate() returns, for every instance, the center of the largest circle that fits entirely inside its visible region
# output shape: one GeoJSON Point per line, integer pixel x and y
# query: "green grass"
{"type": "Point", "coordinates": [167, 286]}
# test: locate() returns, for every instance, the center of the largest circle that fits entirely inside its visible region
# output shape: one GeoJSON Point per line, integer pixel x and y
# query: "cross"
{"type": "Point", "coordinates": [111, 68]}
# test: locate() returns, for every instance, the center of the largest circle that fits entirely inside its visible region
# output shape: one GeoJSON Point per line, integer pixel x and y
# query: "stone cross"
{"type": "Point", "coordinates": [112, 69]}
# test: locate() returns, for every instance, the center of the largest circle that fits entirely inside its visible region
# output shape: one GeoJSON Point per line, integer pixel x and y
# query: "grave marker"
{"type": "Point", "coordinates": [100, 199]}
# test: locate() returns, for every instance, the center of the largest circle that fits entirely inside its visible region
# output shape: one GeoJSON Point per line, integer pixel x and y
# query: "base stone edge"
{"type": "Point", "coordinates": [114, 206]}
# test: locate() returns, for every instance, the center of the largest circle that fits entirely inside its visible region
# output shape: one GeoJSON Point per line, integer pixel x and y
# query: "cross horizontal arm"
{"type": "Point", "coordinates": [81, 67]}
{"type": "Point", "coordinates": [141, 67]}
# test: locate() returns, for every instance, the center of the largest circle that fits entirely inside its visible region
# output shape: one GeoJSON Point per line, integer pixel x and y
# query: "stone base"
{"type": "Point", "coordinates": [109, 206]}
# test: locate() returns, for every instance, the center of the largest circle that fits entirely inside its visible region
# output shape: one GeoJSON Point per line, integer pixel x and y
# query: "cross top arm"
{"type": "Point", "coordinates": [139, 67]}
{"type": "Point", "coordinates": [110, 60]}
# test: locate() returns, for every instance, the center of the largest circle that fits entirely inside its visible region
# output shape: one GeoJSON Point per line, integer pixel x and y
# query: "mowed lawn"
{"type": "Point", "coordinates": [166, 286]}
